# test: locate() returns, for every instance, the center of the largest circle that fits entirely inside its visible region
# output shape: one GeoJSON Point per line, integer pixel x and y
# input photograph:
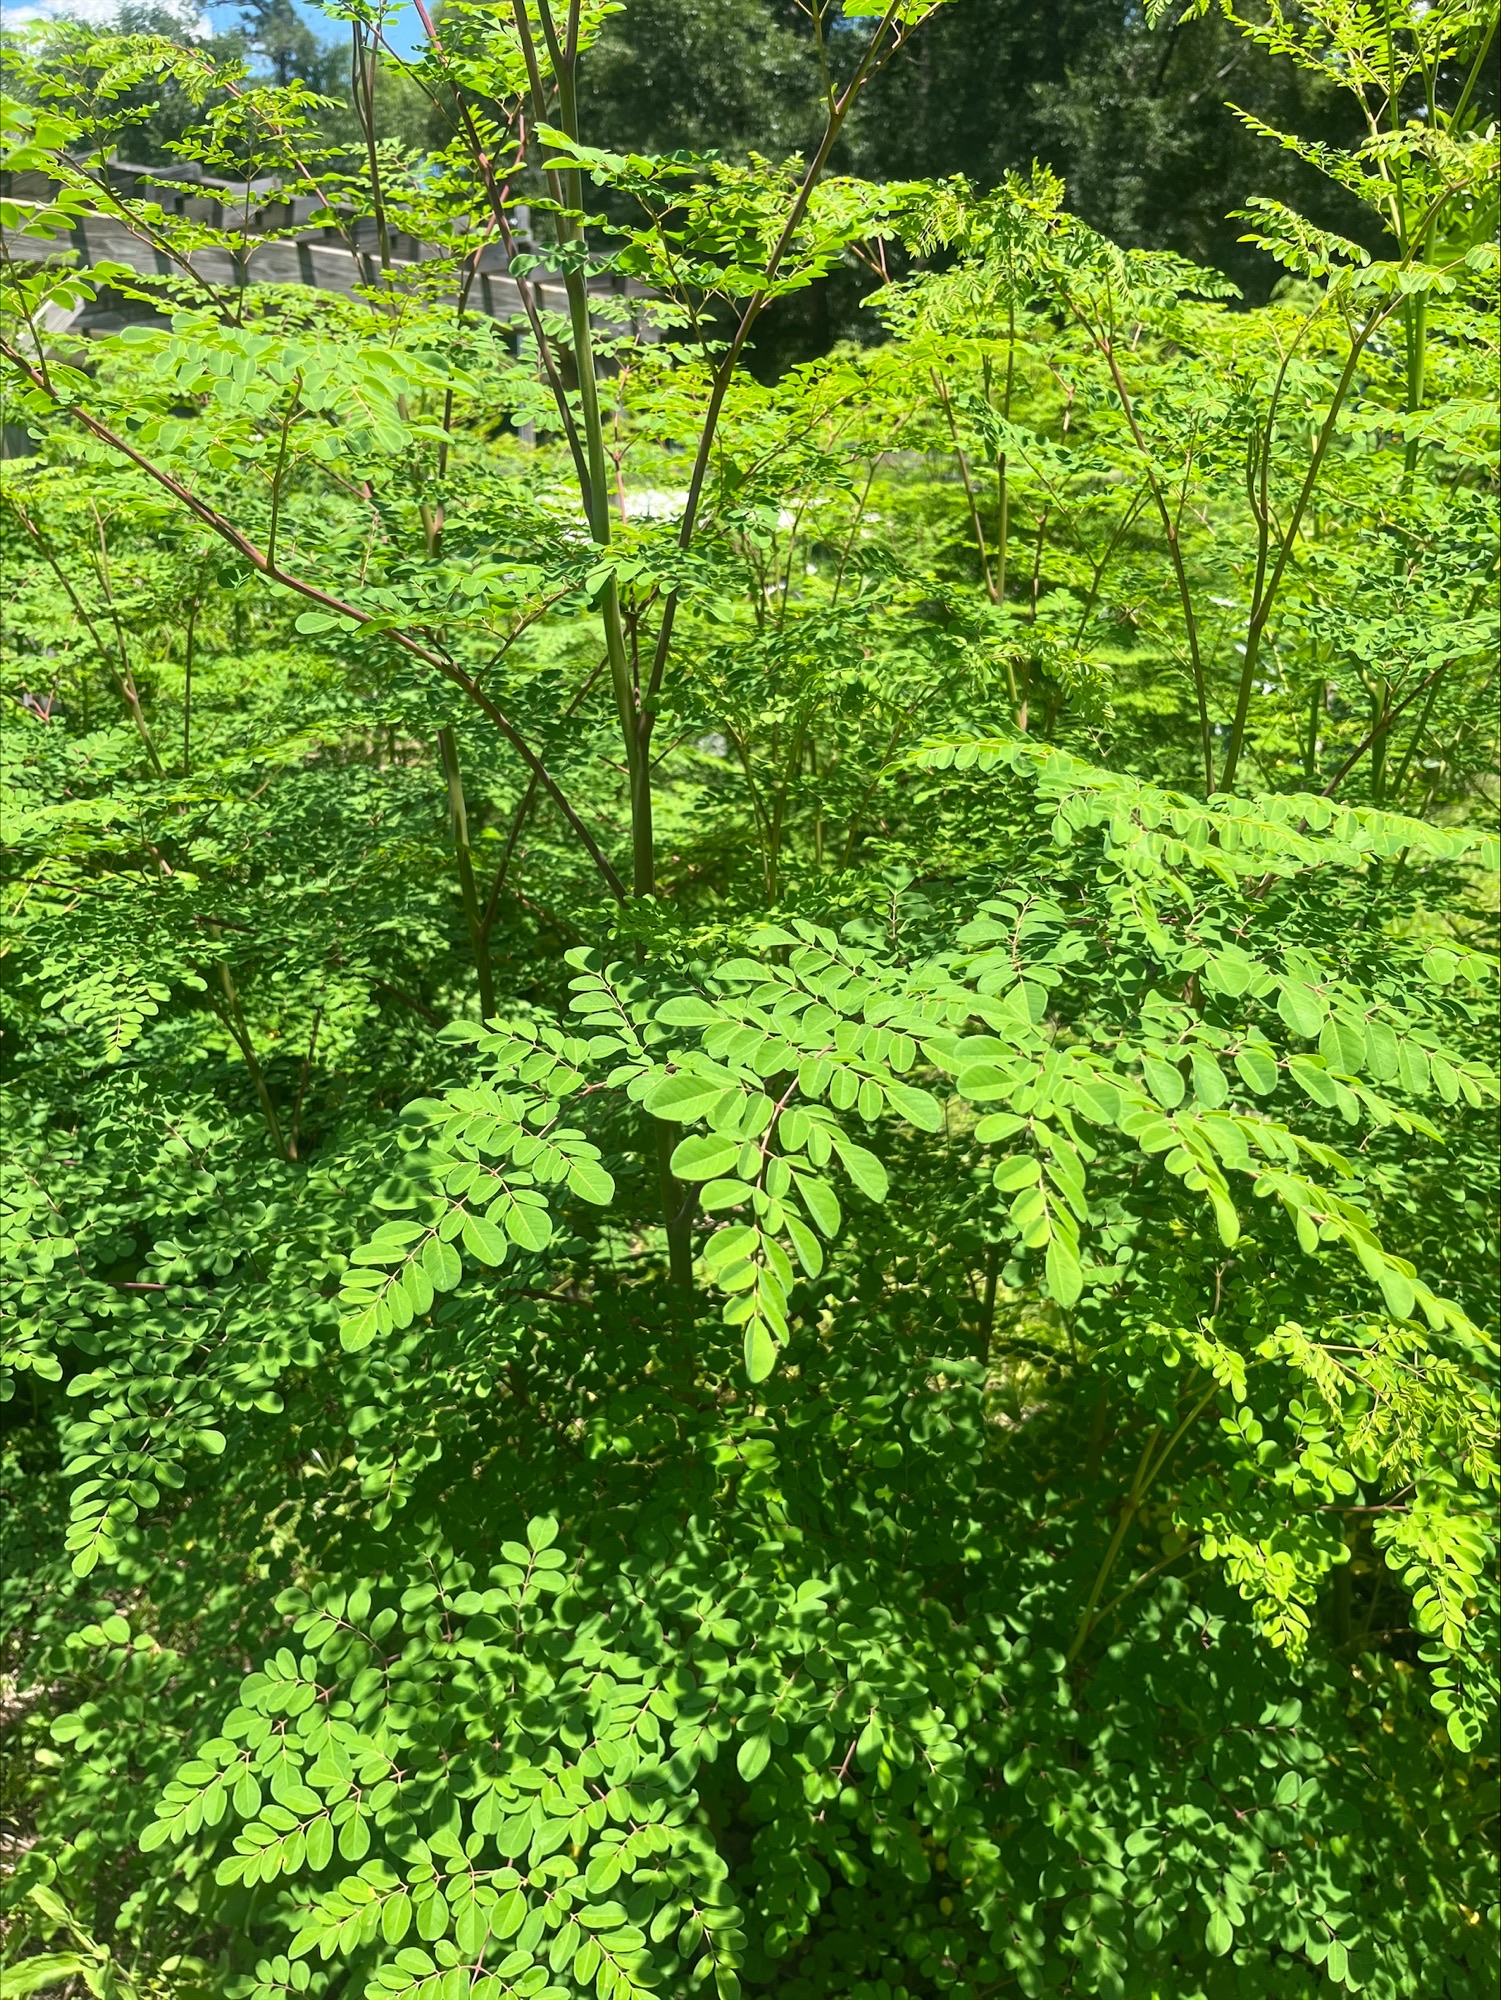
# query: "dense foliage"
{"type": "Point", "coordinates": [1142, 122]}
{"type": "Point", "coordinates": [751, 1172]}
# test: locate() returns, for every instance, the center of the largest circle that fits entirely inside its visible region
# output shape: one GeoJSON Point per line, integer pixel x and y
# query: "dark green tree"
{"type": "Point", "coordinates": [1136, 118]}
{"type": "Point", "coordinates": [281, 40]}
{"type": "Point", "coordinates": [730, 74]}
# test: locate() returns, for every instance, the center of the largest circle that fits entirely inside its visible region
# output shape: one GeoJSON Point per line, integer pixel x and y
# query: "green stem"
{"type": "Point", "coordinates": [679, 1223]}
{"type": "Point", "coordinates": [1001, 465]}
{"type": "Point", "coordinates": [302, 1083]}
{"type": "Point", "coordinates": [1138, 500]}
{"type": "Point", "coordinates": [1417, 364]}
{"type": "Point", "coordinates": [1417, 736]}
{"type": "Point", "coordinates": [363, 91]}
{"type": "Point", "coordinates": [1261, 610]}
{"type": "Point", "coordinates": [187, 691]}
{"type": "Point", "coordinates": [969, 489]}
{"type": "Point", "coordinates": [448, 750]}
{"type": "Point", "coordinates": [1380, 728]}
{"type": "Point", "coordinates": [1457, 120]}
{"type": "Point", "coordinates": [281, 467]}
{"type": "Point", "coordinates": [1137, 1582]}
{"type": "Point", "coordinates": [876, 54]}
{"type": "Point", "coordinates": [987, 1302]}
{"type": "Point", "coordinates": [1106, 347]}
{"type": "Point", "coordinates": [1147, 1472]}
{"type": "Point", "coordinates": [241, 1033]}
{"type": "Point", "coordinates": [635, 722]}
{"type": "Point", "coordinates": [120, 673]}
{"type": "Point", "coordinates": [1315, 710]}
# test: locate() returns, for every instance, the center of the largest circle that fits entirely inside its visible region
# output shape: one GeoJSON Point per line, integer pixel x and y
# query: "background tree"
{"type": "Point", "coordinates": [1134, 119]}
{"type": "Point", "coordinates": [280, 37]}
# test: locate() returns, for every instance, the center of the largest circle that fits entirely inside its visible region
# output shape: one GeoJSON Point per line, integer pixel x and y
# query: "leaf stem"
{"type": "Point", "coordinates": [1147, 1472]}
{"type": "Point", "coordinates": [458, 816]}
{"type": "Point", "coordinates": [327, 601]}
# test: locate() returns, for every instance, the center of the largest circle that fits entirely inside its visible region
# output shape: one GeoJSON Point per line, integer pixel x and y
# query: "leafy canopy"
{"type": "Point", "coordinates": [751, 1193]}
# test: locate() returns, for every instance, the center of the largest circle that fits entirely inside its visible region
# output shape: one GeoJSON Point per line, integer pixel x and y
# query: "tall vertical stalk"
{"type": "Point", "coordinates": [1002, 480]}
{"type": "Point", "coordinates": [187, 690]}
{"type": "Point", "coordinates": [362, 89]}
{"type": "Point", "coordinates": [1315, 711]}
{"type": "Point", "coordinates": [458, 819]}
{"type": "Point", "coordinates": [1265, 596]}
{"type": "Point", "coordinates": [562, 57]}
{"type": "Point", "coordinates": [1147, 1472]}
{"type": "Point", "coordinates": [970, 495]}
{"type": "Point", "coordinates": [234, 1016]}
{"type": "Point", "coordinates": [1106, 346]}
{"type": "Point", "coordinates": [115, 658]}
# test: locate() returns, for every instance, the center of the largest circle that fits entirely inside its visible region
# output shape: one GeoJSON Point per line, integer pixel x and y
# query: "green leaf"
{"type": "Point", "coordinates": [984, 1082]}
{"type": "Point", "coordinates": [863, 1168]}
{"type": "Point", "coordinates": [683, 1098]}
{"type": "Point", "coordinates": [590, 1182]}
{"type": "Point", "coordinates": [508, 1915]}
{"type": "Point", "coordinates": [1099, 1100]}
{"type": "Point", "coordinates": [998, 1125]}
{"type": "Point", "coordinates": [806, 1244]}
{"type": "Point", "coordinates": [415, 1289]}
{"type": "Point", "coordinates": [44, 1972]}
{"type": "Point", "coordinates": [1064, 1275]}
{"type": "Point", "coordinates": [1219, 1934]}
{"type": "Point", "coordinates": [1019, 1171]}
{"type": "Point", "coordinates": [357, 1330]}
{"type": "Point", "coordinates": [1397, 1290]}
{"type": "Point", "coordinates": [1164, 1081]}
{"type": "Point", "coordinates": [527, 1226]}
{"type": "Point", "coordinates": [1227, 1222]}
{"type": "Point", "coordinates": [1229, 972]}
{"type": "Point", "coordinates": [704, 1157]}
{"type": "Point", "coordinates": [760, 1353]}
{"type": "Point", "coordinates": [1257, 1069]}
{"type": "Point", "coordinates": [1301, 1008]}
{"type": "Point", "coordinates": [729, 1246]}
{"type": "Point", "coordinates": [689, 1011]}
{"type": "Point", "coordinates": [1316, 1081]}
{"type": "Point", "coordinates": [1210, 1086]}
{"type": "Point", "coordinates": [753, 1756]}
{"type": "Point", "coordinates": [821, 1202]}
{"type": "Point", "coordinates": [716, 1195]}
{"type": "Point", "coordinates": [484, 1241]}
{"type": "Point", "coordinates": [918, 1107]}
{"type": "Point", "coordinates": [440, 1263]}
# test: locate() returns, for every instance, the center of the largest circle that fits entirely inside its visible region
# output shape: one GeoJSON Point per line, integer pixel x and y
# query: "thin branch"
{"type": "Point", "coordinates": [1385, 723]}
{"type": "Point", "coordinates": [870, 62]}
{"type": "Point", "coordinates": [123, 680]}
{"type": "Point", "coordinates": [315, 594]}
{"type": "Point", "coordinates": [1106, 348]}
{"type": "Point", "coordinates": [969, 489]}
{"type": "Point", "coordinates": [281, 466]}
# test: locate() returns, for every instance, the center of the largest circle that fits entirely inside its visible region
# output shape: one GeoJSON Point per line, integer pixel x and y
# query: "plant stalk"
{"type": "Point", "coordinates": [458, 816]}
